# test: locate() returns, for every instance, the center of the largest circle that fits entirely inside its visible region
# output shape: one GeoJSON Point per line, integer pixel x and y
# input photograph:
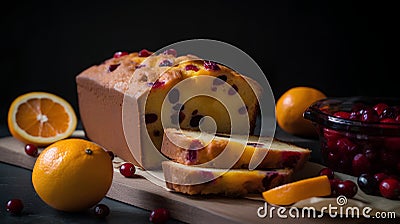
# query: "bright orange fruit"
{"type": "Point", "coordinates": [41, 118]}
{"type": "Point", "coordinates": [290, 193]}
{"type": "Point", "coordinates": [72, 174]}
{"type": "Point", "coordinates": [291, 106]}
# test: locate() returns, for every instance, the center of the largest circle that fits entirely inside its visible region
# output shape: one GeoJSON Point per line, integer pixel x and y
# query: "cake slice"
{"type": "Point", "coordinates": [194, 147]}
{"type": "Point", "coordinates": [195, 180]}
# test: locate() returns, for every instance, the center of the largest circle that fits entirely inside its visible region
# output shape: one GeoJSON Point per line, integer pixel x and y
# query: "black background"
{"type": "Point", "coordinates": [343, 48]}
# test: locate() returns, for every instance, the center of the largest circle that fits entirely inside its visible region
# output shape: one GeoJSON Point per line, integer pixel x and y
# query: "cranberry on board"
{"type": "Point", "coordinates": [380, 176]}
{"type": "Point", "coordinates": [159, 216]}
{"type": "Point", "coordinates": [347, 188]}
{"type": "Point", "coordinates": [390, 188]}
{"type": "Point", "coordinates": [328, 172]}
{"type": "Point", "coordinates": [127, 169]}
{"type": "Point", "coordinates": [334, 186]}
{"type": "Point", "coordinates": [31, 150]}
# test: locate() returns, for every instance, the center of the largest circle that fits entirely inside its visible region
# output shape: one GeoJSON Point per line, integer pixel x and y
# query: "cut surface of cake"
{"type": "Point", "coordinates": [196, 89]}
{"type": "Point", "coordinates": [194, 180]}
{"type": "Point", "coordinates": [143, 83]}
{"type": "Point", "coordinates": [194, 148]}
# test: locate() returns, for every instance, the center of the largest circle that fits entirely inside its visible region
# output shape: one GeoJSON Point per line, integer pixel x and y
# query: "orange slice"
{"type": "Point", "coordinates": [290, 193]}
{"type": "Point", "coordinates": [41, 118]}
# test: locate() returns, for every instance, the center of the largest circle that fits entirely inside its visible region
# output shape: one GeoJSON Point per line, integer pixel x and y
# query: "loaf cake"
{"type": "Point", "coordinates": [194, 148]}
{"type": "Point", "coordinates": [120, 101]}
{"type": "Point", "coordinates": [194, 180]}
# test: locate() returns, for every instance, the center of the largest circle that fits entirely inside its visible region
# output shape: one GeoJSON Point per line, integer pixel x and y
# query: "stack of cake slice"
{"type": "Point", "coordinates": [202, 163]}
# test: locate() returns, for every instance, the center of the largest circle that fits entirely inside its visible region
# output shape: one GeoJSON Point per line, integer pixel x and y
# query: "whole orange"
{"type": "Point", "coordinates": [291, 106]}
{"type": "Point", "coordinates": [72, 174]}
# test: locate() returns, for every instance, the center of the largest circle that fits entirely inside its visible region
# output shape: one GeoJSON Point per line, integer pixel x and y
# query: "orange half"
{"type": "Point", "coordinates": [41, 118]}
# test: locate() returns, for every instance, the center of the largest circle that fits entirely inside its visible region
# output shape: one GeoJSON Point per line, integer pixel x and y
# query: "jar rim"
{"type": "Point", "coordinates": [321, 113]}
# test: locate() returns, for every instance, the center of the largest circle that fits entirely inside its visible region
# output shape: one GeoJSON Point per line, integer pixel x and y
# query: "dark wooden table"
{"type": "Point", "coordinates": [15, 182]}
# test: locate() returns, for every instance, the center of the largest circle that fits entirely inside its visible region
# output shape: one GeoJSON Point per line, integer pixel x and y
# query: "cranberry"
{"type": "Point", "coordinates": [171, 52]}
{"type": "Point", "coordinates": [165, 63]}
{"type": "Point", "coordinates": [354, 115]}
{"type": "Point", "coordinates": [195, 120]}
{"type": "Point", "coordinates": [191, 67]}
{"type": "Point", "coordinates": [209, 65]}
{"type": "Point", "coordinates": [290, 159]}
{"type": "Point", "coordinates": [328, 172]}
{"type": "Point", "coordinates": [112, 67]}
{"type": "Point", "coordinates": [331, 137]}
{"type": "Point", "coordinates": [14, 206]}
{"type": "Point", "coordinates": [369, 115]}
{"type": "Point", "coordinates": [389, 112]}
{"type": "Point", "coordinates": [191, 156]}
{"type": "Point", "coordinates": [347, 188]}
{"type": "Point", "coordinates": [342, 114]}
{"type": "Point", "coordinates": [157, 84]}
{"type": "Point", "coordinates": [127, 169]}
{"type": "Point", "coordinates": [357, 107]}
{"type": "Point", "coordinates": [120, 54]}
{"type": "Point", "coordinates": [360, 164]}
{"type": "Point", "coordinates": [380, 107]}
{"type": "Point", "coordinates": [144, 53]}
{"type": "Point", "coordinates": [390, 188]}
{"type": "Point", "coordinates": [31, 150]}
{"type": "Point", "coordinates": [346, 147]}
{"type": "Point", "coordinates": [101, 210]}
{"type": "Point", "coordinates": [367, 183]}
{"type": "Point", "coordinates": [159, 216]}
{"type": "Point", "coordinates": [334, 186]}
{"type": "Point", "coordinates": [140, 66]}
{"type": "Point", "coordinates": [380, 176]}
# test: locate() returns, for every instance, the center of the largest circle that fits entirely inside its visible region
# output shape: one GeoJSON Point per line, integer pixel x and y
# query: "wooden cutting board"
{"type": "Point", "coordinates": [142, 193]}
